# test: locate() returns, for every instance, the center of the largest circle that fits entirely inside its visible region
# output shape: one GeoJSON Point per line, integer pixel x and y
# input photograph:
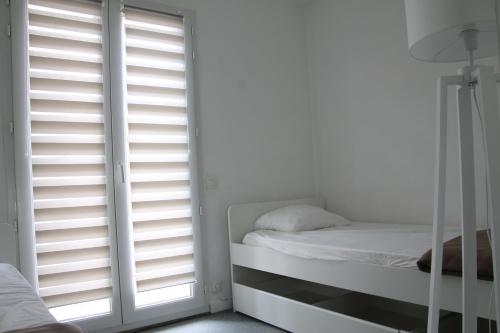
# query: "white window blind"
{"type": "Point", "coordinates": [160, 192]}
{"type": "Point", "coordinates": [68, 153]}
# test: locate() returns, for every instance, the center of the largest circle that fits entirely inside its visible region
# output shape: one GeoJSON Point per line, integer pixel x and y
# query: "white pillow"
{"type": "Point", "coordinates": [299, 218]}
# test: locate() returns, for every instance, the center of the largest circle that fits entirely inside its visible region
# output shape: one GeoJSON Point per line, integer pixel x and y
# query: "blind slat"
{"type": "Point", "coordinates": [68, 159]}
{"type": "Point", "coordinates": [155, 64]}
{"type": "Point", "coordinates": [166, 253]}
{"type": "Point", "coordinates": [67, 117]}
{"type": "Point", "coordinates": [169, 281]}
{"type": "Point", "coordinates": [162, 215]}
{"type": "Point", "coordinates": [159, 177]}
{"type": "Point", "coordinates": [174, 31]}
{"type": "Point", "coordinates": [74, 287]}
{"type": "Point", "coordinates": [72, 245]}
{"type": "Point", "coordinates": [165, 272]}
{"type": "Point", "coordinates": [63, 14]}
{"type": "Point", "coordinates": [71, 224]}
{"type": "Point", "coordinates": [148, 158]}
{"type": "Point", "coordinates": [64, 34]}
{"type": "Point", "coordinates": [73, 266]}
{"type": "Point", "coordinates": [70, 202]}
{"type": "Point", "coordinates": [65, 75]}
{"type": "Point", "coordinates": [67, 181]}
{"type": "Point", "coordinates": [161, 196]}
{"type": "Point", "coordinates": [163, 234]}
{"type": "Point", "coordinates": [64, 55]}
{"type": "Point", "coordinates": [66, 138]}
{"type": "Point", "coordinates": [65, 96]}
{"type": "Point", "coordinates": [155, 83]}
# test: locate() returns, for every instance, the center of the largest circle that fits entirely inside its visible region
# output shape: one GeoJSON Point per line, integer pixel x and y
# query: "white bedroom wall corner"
{"type": "Point", "coordinates": [8, 224]}
{"type": "Point", "coordinates": [375, 131]}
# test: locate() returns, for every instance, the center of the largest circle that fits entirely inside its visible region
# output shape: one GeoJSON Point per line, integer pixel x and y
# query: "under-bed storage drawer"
{"type": "Point", "coordinates": [302, 306]}
{"type": "Point", "coordinates": [297, 316]}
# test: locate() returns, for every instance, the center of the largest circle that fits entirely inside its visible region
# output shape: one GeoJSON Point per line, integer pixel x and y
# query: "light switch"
{"type": "Point", "coordinates": [211, 183]}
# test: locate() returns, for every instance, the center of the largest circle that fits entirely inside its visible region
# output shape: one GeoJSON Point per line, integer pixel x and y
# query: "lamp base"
{"type": "Point", "coordinates": [485, 79]}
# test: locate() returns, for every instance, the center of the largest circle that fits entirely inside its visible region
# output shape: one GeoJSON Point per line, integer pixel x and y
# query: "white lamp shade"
{"type": "Point", "coordinates": [435, 26]}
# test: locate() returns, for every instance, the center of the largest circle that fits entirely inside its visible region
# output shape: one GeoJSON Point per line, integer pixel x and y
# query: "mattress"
{"type": "Point", "coordinates": [394, 245]}
{"type": "Point", "coordinates": [20, 306]}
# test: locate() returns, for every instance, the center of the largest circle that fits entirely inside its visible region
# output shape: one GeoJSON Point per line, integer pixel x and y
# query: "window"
{"type": "Point", "coordinates": [158, 155]}
{"type": "Point", "coordinates": [69, 179]}
{"type": "Point", "coordinates": [105, 157]}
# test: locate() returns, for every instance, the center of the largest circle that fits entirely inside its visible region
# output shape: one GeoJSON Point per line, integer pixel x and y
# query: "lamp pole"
{"type": "Point", "coordinates": [497, 17]}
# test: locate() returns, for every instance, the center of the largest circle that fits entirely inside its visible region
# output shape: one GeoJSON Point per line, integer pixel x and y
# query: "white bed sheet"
{"type": "Point", "coordinates": [20, 306]}
{"type": "Point", "coordinates": [394, 245]}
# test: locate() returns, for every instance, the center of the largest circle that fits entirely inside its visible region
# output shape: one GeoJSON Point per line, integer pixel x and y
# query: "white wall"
{"type": "Point", "coordinates": [256, 130]}
{"type": "Point", "coordinates": [375, 113]}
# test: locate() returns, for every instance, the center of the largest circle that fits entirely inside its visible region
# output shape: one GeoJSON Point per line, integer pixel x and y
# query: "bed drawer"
{"type": "Point", "coordinates": [298, 316]}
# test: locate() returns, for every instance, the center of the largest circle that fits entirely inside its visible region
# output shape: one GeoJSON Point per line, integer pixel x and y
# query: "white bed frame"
{"type": "Point", "coordinates": [406, 285]}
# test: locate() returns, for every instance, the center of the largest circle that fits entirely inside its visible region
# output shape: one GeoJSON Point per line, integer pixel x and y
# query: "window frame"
{"type": "Point", "coordinates": [197, 303]}
{"type": "Point", "coordinates": [124, 314]}
{"type": "Point", "coordinates": [22, 153]}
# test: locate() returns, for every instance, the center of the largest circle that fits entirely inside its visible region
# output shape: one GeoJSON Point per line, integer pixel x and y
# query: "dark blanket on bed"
{"type": "Point", "coordinates": [51, 328]}
{"type": "Point", "coordinates": [452, 257]}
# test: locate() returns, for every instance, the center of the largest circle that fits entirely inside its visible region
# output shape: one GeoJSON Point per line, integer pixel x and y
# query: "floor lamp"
{"type": "Point", "coordinates": [452, 31]}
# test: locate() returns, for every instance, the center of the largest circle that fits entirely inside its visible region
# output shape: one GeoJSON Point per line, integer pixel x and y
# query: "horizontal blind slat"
{"type": "Point", "coordinates": [159, 177]}
{"type": "Point", "coordinates": [69, 202]}
{"type": "Point", "coordinates": [65, 96]}
{"type": "Point", "coordinates": [166, 253]}
{"type": "Point", "coordinates": [72, 245]}
{"type": "Point", "coordinates": [148, 158]}
{"type": "Point", "coordinates": [161, 215]}
{"type": "Point", "coordinates": [73, 266]}
{"type": "Point", "coordinates": [77, 297]}
{"type": "Point", "coordinates": [68, 181]}
{"type": "Point", "coordinates": [64, 55]}
{"type": "Point", "coordinates": [67, 117]}
{"type": "Point", "coordinates": [64, 14]}
{"type": "Point", "coordinates": [74, 287]}
{"type": "Point", "coordinates": [155, 83]}
{"type": "Point", "coordinates": [71, 224]}
{"type": "Point", "coordinates": [165, 272]}
{"type": "Point", "coordinates": [65, 75]}
{"type": "Point", "coordinates": [144, 26]}
{"type": "Point", "coordinates": [68, 159]}
{"type": "Point", "coordinates": [64, 34]}
{"type": "Point", "coordinates": [161, 196]}
{"type": "Point", "coordinates": [67, 138]}
{"type": "Point", "coordinates": [156, 64]}
{"type": "Point", "coordinates": [169, 281]}
{"type": "Point", "coordinates": [163, 234]}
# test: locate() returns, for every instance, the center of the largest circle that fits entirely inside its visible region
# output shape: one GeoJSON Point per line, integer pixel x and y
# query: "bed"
{"type": "Point", "coordinates": [276, 277]}
{"type": "Point", "coordinates": [22, 310]}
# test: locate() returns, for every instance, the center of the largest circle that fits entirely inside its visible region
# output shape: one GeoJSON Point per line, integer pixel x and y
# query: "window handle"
{"type": "Point", "coordinates": [122, 170]}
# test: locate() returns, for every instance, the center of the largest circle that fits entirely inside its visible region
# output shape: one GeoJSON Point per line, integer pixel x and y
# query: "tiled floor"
{"type": "Point", "coordinates": [223, 322]}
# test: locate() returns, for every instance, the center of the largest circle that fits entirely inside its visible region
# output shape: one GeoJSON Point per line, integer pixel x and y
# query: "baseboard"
{"type": "Point", "coordinates": [218, 306]}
